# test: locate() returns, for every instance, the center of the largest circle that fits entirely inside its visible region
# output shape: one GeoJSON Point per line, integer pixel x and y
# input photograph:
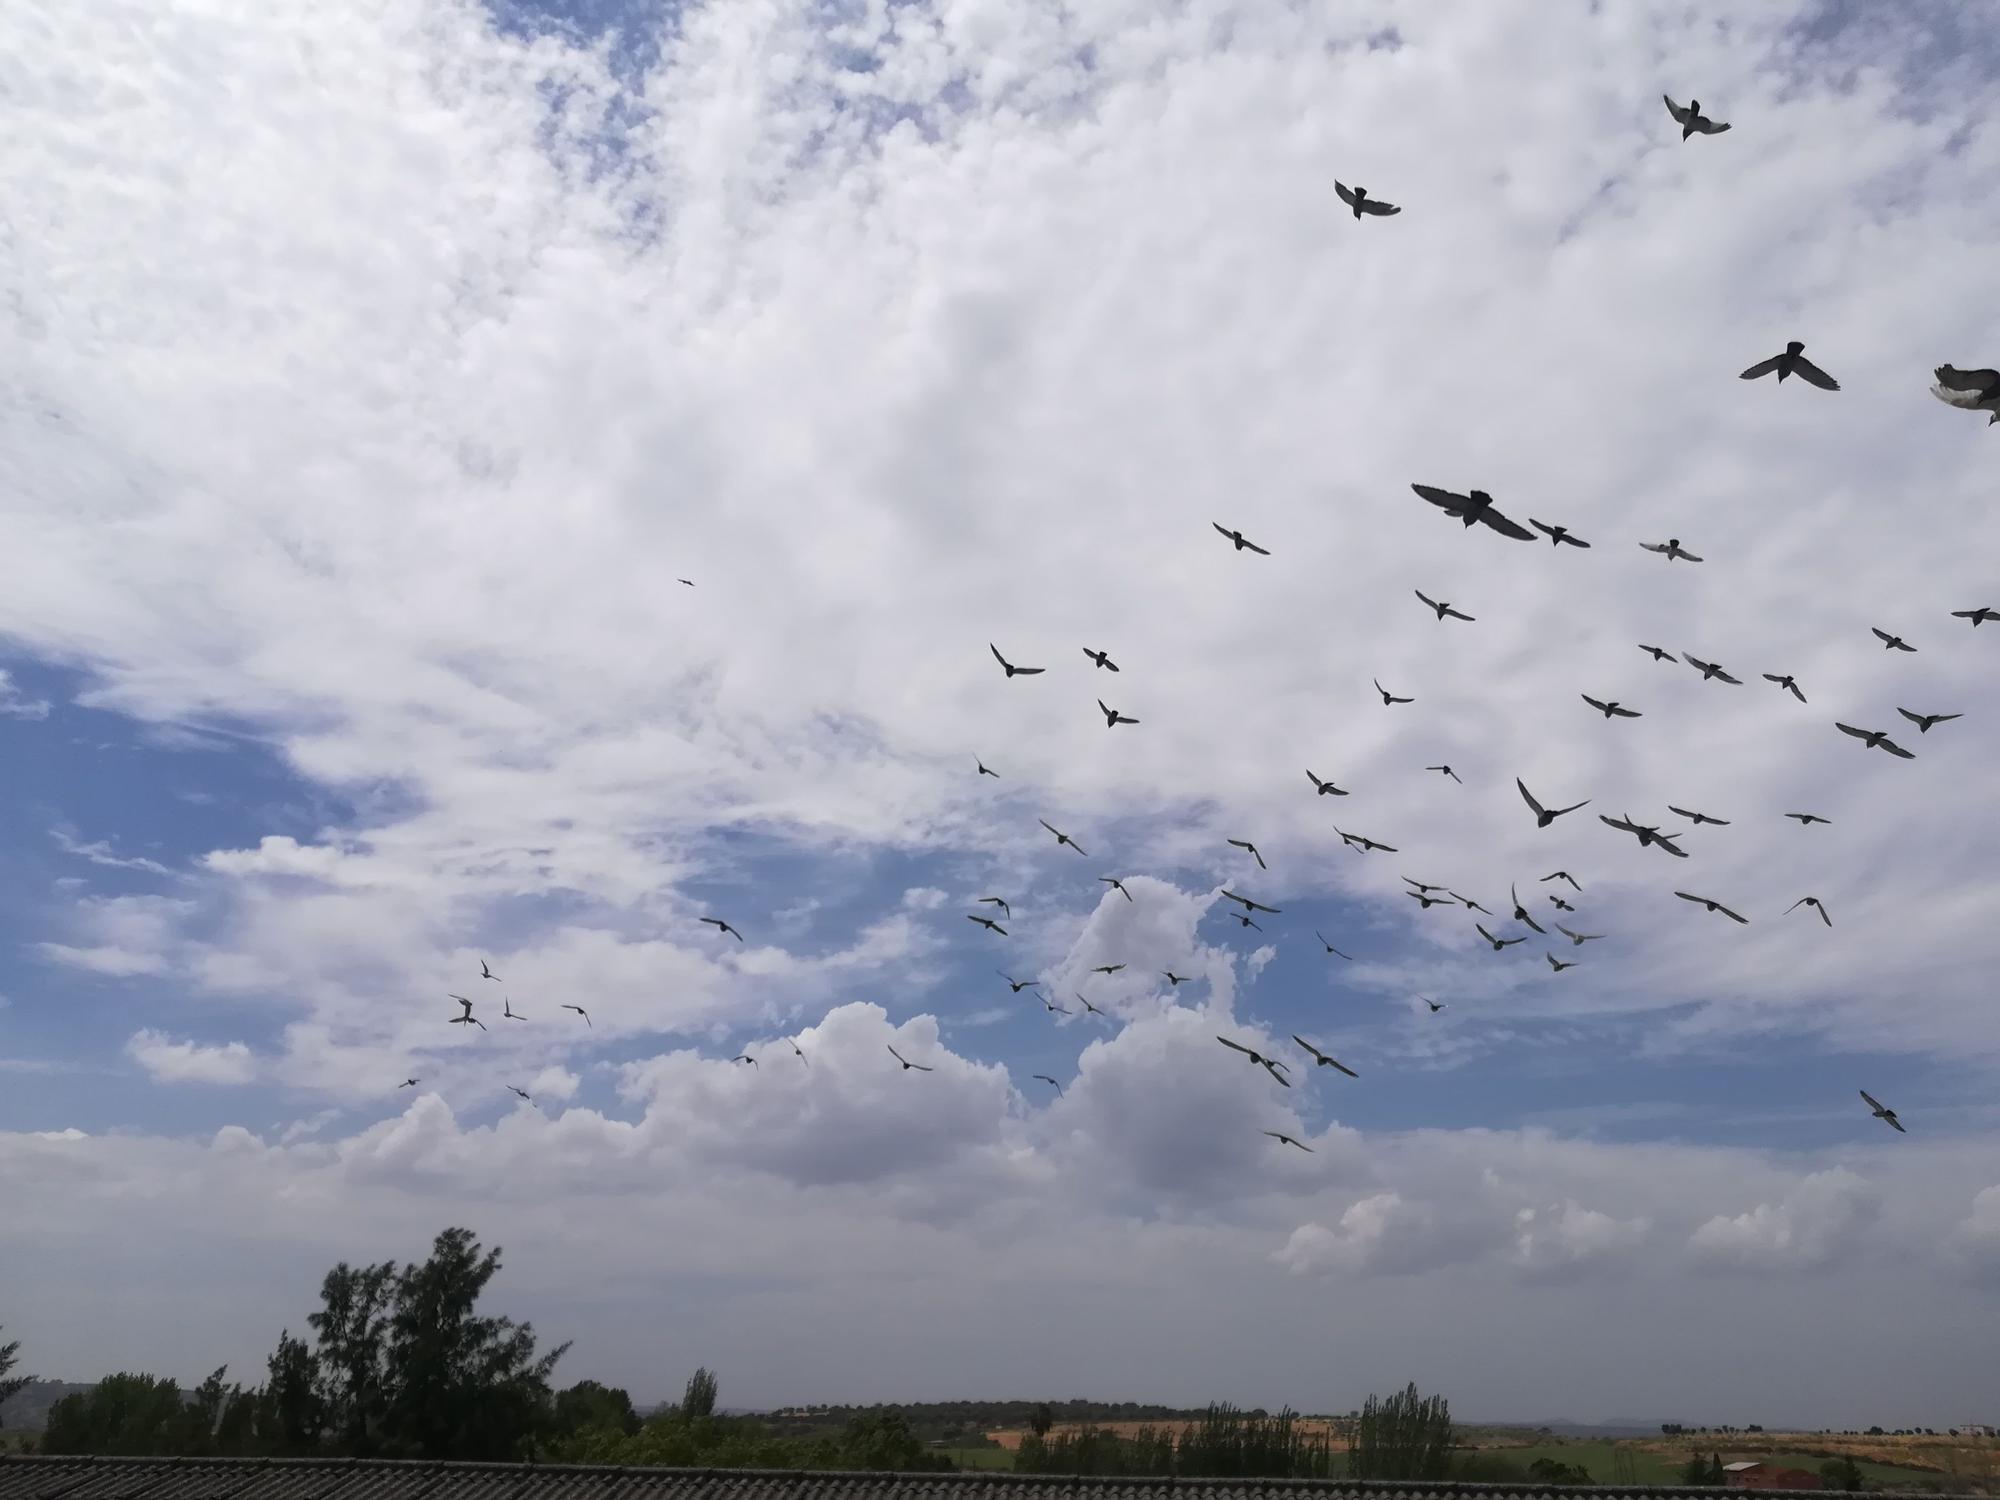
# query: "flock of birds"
{"type": "Point", "coordinates": [1968, 390]}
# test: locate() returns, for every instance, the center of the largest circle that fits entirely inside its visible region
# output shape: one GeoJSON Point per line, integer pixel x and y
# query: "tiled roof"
{"type": "Point", "coordinates": [48, 1477]}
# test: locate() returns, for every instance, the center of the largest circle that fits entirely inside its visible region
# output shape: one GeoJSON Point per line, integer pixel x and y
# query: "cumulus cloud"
{"type": "Point", "coordinates": [1385, 1232]}
{"type": "Point", "coordinates": [1821, 1220]}
{"type": "Point", "coordinates": [1558, 1240]}
{"type": "Point", "coordinates": [15, 704]}
{"type": "Point", "coordinates": [170, 1061]}
{"type": "Point", "coordinates": [1974, 1243]}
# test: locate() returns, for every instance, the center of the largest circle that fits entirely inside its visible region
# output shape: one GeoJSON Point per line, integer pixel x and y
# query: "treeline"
{"type": "Point", "coordinates": [966, 1423]}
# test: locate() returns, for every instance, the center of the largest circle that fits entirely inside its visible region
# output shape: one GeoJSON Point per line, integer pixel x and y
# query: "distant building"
{"type": "Point", "coordinates": [1749, 1475]}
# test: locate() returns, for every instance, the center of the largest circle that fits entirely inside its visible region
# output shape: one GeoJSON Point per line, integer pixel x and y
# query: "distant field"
{"type": "Point", "coordinates": [1647, 1468]}
{"type": "Point", "coordinates": [979, 1458]}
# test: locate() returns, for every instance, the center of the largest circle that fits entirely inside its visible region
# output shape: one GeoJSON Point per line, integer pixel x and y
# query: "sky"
{"type": "Point", "coordinates": [375, 372]}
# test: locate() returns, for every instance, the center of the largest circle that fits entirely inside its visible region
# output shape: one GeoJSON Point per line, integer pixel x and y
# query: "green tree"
{"type": "Point", "coordinates": [698, 1398]}
{"type": "Point", "coordinates": [1405, 1436]}
{"type": "Point", "coordinates": [1548, 1471]}
{"type": "Point", "coordinates": [1715, 1474]}
{"type": "Point", "coordinates": [1042, 1420]}
{"type": "Point", "coordinates": [1841, 1474]}
{"type": "Point", "coordinates": [291, 1412]}
{"type": "Point", "coordinates": [124, 1414]}
{"type": "Point", "coordinates": [352, 1361]}
{"type": "Point", "coordinates": [10, 1355]}
{"type": "Point", "coordinates": [1695, 1471]}
{"type": "Point", "coordinates": [588, 1406]}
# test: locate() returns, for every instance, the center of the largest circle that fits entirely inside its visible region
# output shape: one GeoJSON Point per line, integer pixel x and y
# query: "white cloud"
{"type": "Point", "coordinates": [1557, 1240]}
{"type": "Point", "coordinates": [100, 853]}
{"type": "Point", "coordinates": [1383, 1232]}
{"type": "Point", "coordinates": [555, 1083]}
{"type": "Point", "coordinates": [1810, 1228]}
{"type": "Point", "coordinates": [14, 705]}
{"type": "Point", "coordinates": [1974, 1243]}
{"type": "Point", "coordinates": [112, 961]}
{"type": "Point", "coordinates": [169, 1061]}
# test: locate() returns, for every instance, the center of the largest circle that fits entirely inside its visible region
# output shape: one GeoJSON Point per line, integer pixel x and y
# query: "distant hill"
{"type": "Point", "coordinates": [28, 1411]}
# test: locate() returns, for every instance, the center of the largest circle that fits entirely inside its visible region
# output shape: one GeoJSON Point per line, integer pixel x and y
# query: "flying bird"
{"type": "Point", "coordinates": [987, 922]}
{"type": "Point", "coordinates": [688, 581]}
{"type": "Point", "coordinates": [723, 926]}
{"type": "Point", "coordinates": [1113, 718]}
{"type": "Point", "coordinates": [1969, 390]}
{"type": "Point", "coordinates": [1248, 905]}
{"type": "Point", "coordinates": [507, 1011]}
{"type": "Point", "coordinates": [1545, 816]}
{"type": "Point", "coordinates": [486, 973]}
{"type": "Point", "coordinates": [1116, 885]}
{"type": "Point", "coordinates": [1468, 903]}
{"type": "Point", "coordinates": [1497, 942]}
{"type": "Point", "coordinates": [1891, 642]}
{"type": "Point", "coordinates": [1107, 968]}
{"type": "Point", "coordinates": [1473, 509]}
{"type": "Point", "coordinates": [1102, 658]}
{"type": "Point", "coordinates": [1792, 362]}
{"type": "Point", "coordinates": [1447, 770]}
{"type": "Point", "coordinates": [1017, 985]}
{"type": "Point", "coordinates": [1557, 964]}
{"type": "Point", "coordinates": [1612, 710]}
{"type": "Point", "coordinates": [1279, 1135]}
{"type": "Point", "coordinates": [1978, 616]}
{"type": "Point", "coordinates": [1327, 788]}
{"type": "Point", "coordinates": [1435, 1005]}
{"type": "Point", "coordinates": [1061, 837]}
{"type": "Point", "coordinates": [1420, 885]}
{"type": "Point", "coordinates": [1242, 542]}
{"type": "Point", "coordinates": [465, 1017]}
{"type": "Point", "coordinates": [1521, 912]}
{"type": "Point", "coordinates": [1442, 609]}
{"type": "Point", "coordinates": [1362, 845]}
{"type": "Point", "coordinates": [1051, 1007]}
{"type": "Point", "coordinates": [999, 901]}
{"type": "Point", "coordinates": [1011, 669]}
{"type": "Point", "coordinates": [582, 1012]}
{"type": "Point", "coordinates": [1925, 721]}
{"type": "Point", "coordinates": [985, 770]}
{"type": "Point", "coordinates": [1710, 669]}
{"type": "Point", "coordinates": [1357, 199]}
{"type": "Point", "coordinates": [1044, 1078]}
{"type": "Point", "coordinates": [1176, 980]}
{"type": "Point", "coordinates": [1275, 1069]}
{"type": "Point", "coordinates": [908, 1065]}
{"type": "Point", "coordinates": [1427, 902]}
{"type": "Point", "coordinates": [1883, 1112]}
{"type": "Point", "coordinates": [1786, 684]}
{"type": "Point", "coordinates": [1697, 818]}
{"type": "Point", "coordinates": [1321, 1059]}
{"type": "Point", "coordinates": [1657, 653]}
{"type": "Point", "coordinates": [744, 1057]}
{"type": "Point", "coordinates": [1815, 903]}
{"type": "Point", "coordinates": [1088, 1007]}
{"type": "Point", "coordinates": [522, 1092]}
{"type": "Point", "coordinates": [1331, 949]}
{"type": "Point", "coordinates": [1243, 920]}
{"type": "Point", "coordinates": [1577, 939]}
{"type": "Point", "coordinates": [1564, 875]}
{"type": "Point", "coordinates": [1388, 698]}
{"type": "Point", "coordinates": [1876, 739]}
{"type": "Point", "coordinates": [799, 1052]}
{"type": "Point", "coordinates": [1252, 848]}
{"type": "Point", "coordinates": [1558, 535]}
{"type": "Point", "coordinates": [1691, 120]}
{"type": "Point", "coordinates": [1646, 834]}
{"type": "Point", "coordinates": [1713, 906]}
{"type": "Point", "coordinates": [409, 1083]}
{"type": "Point", "coordinates": [1560, 904]}
{"type": "Point", "coordinates": [1671, 549]}
{"type": "Point", "coordinates": [1806, 820]}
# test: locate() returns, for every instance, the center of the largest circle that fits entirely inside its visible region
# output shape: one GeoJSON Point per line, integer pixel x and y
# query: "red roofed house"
{"type": "Point", "coordinates": [1747, 1475]}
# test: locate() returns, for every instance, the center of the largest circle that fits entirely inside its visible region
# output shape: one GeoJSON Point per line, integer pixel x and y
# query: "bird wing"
{"type": "Point", "coordinates": [1895, 749]}
{"type": "Point", "coordinates": [1620, 712]}
{"type": "Point", "coordinates": [1689, 555]}
{"type": "Point", "coordinates": [1623, 823]}
{"type": "Point", "coordinates": [1336, 1062]}
{"type": "Point", "coordinates": [1762, 367]}
{"type": "Point", "coordinates": [1653, 546]}
{"type": "Point", "coordinates": [1377, 206]}
{"type": "Point", "coordinates": [1873, 1102]}
{"type": "Point", "coordinates": [1534, 924]}
{"type": "Point", "coordinates": [1738, 916]}
{"type": "Point", "coordinates": [1964, 380]}
{"type": "Point", "coordinates": [1259, 906]}
{"type": "Point", "coordinates": [1698, 900]}
{"type": "Point", "coordinates": [1710, 127]}
{"type": "Point", "coordinates": [1601, 707]}
{"type": "Point", "coordinates": [1425, 597]}
{"type": "Point", "coordinates": [1678, 111]}
{"type": "Point", "coordinates": [1483, 932]}
{"type": "Point", "coordinates": [1343, 192]}
{"type": "Point", "coordinates": [1894, 1123]}
{"type": "Point", "coordinates": [1821, 909]}
{"type": "Point", "coordinates": [1722, 676]}
{"type": "Point", "coordinates": [1880, 634]}
{"type": "Point", "coordinates": [1318, 1056]}
{"type": "Point", "coordinates": [1444, 499]}
{"type": "Point", "coordinates": [1505, 525]}
{"type": "Point", "coordinates": [1859, 734]}
{"type": "Point", "coordinates": [996, 653]}
{"type": "Point", "coordinates": [1235, 1046]}
{"type": "Point", "coordinates": [1223, 529]}
{"type": "Point", "coordinates": [1260, 551]}
{"type": "Point", "coordinates": [1457, 614]}
{"type": "Point", "coordinates": [1805, 369]}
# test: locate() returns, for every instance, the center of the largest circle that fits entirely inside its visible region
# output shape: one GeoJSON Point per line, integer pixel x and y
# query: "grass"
{"type": "Point", "coordinates": [978, 1458]}
{"type": "Point", "coordinates": [1655, 1468]}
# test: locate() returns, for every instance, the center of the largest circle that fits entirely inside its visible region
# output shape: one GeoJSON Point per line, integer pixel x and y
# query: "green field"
{"type": "Point", "coordinates": [1651, 1468]}
{"type": "Point", "coordinates": [978, 1458]}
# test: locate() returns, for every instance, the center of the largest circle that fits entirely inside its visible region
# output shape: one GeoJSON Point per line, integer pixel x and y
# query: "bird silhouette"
{"type": "Point", "coordinates": [1357, 199]}
{"type": "Point", "coordinates": [722, 926]}
{"type": "Point", "coordinates": [1671, 549]}
{"type": "Point", "coordinates": [1521, 912]}
{"type": "Point", "coordinates": [1925, 721]}
{"type": "Point", "coordinates": [1327, 788]}
{"type": "Point", "coordinates": [486, 973]}
{"type": "Point", "coordinates": [999, 901]}
{"type": "Point", "coordinates": [1645, 833]}
{"type": "Point", "coordinates": [1978, 616]}
{"type": "Point", "coordinates": [1786, 684]}
{"type": "Point", "coordinates": [908, 1066]}
{"type": "Point", "coordinates": [1468, 903]}
{"type": "Point", "coordinates": [1362, 845]}
{"type": "Point", "coordinates": [1658, 653]}
{"type": "Point", "coordinates": [1697, 818]}
{"type": "Point", "coordinates": [1251, 848]}
{"type": "Point", "coordinates": [1176, 980]}
{"type": "Point", "coordinates": [1474, 508]}
{"type": "Point", "coordinates": [1243, 920]}
{"type": "Point", "coordinates": [744, 1057]}
{"type": "Point", "coordinates": [1321, 1059]}
{"type": "Point", "coordinates": [1545, 816]}
{"type": "Point", "coordinates": [1275, 1069]}
{"type": "Point", "coordinates": [1420, 885]}
{"type": "Point", "coordinates": [1113, 718]}
{"type": "Point", "coordinates": [1806, 820]}
{"type": "Point", "coordinates": [507, 1011]}
{"type": "Point", "coordinates": [1427, 901]}
{"type": "Point", "coordinates": [1709, 669]}
{"type": "Point", "coordinates": [1560, 904]}
{"type": "Point", "coordinates": [1559, 536]}
{"type": "Point", "coordinates": [465, 1017]}
{"type": "Point", "coordinates": [1892, 642]}
{"type": "Point", "coordinates": [1103, 660]}
{"type": "Point", "coordinates": [1279, 1135]}
{"type": "Point", "coordinates": [1441, 609]}
{"type": "Point", "coordinates": [582, 1012]}
{"type": "Point", "coordinates": [1713, 906]}
{"type": "Point", "coordinates": [522, 1092]}
{"type": "Point", "coordinates": [1061, 837]}
{"type": "Point", "coordinates": [1498, 943]}
{"type": "Point", "coordinates": [1876, 739]}
{"type": "Point", "coordinates": [1011, 669]}
{"type": "Point", "coordinates": [985, 770]}
{"type": "Point", "coordinates": [1691, 120]}
{"type": "Point", "coordinates": [1882, 1112]}
{"type": "Point", "coordinates": [1017, 985]}
{"type": "Point", "coordinates": [1815, 903]}
{"type": "Point", "coordinates": [1044, 1078]}
{"type": "Point", "coordinates": [1557, 964]}
{"type": "Point", "coordinates": [1564, 875]}
{"type": "Point", "coordinates": [1051, 1007]}
{"type": "Point", "coordinates": [1577, 939]}
{"type": "Point", "coordinates": [799, 1052]}
{"type": "Point", "coordinates": [1969, 390]}
{"type": "Point", "coordinates": [1388, 698]}
{"type": "Point", "coordinates": [1116, 885]}
{"type": "Point", "coordinates": [1792, 362]}
{"type": "Point", "coordinates": [1107, 968]}
{"type": "Point", "coordinates": [1447, 770]}
{"type": "Point", "coordinates": [409, 1083]}
{"type": "Point", "coordinates": [1330, 948]}
{"type": "Point", "coordinates": [1248, 905]}
{"type": "Point", "coordinates": [1612, 710]}
{"type": "Point", "coordinates": [1243, 543]}
{"type": "Point", "coordinates": [1435, 1005]}
{"type": "Point", "coordinates": [987, 922]}
{"type": "Point", "coordinates": [1089, 1009]}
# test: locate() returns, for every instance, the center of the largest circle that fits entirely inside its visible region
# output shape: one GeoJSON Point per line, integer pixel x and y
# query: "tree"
{"type": "Point", "coordinates": [1695, 1472]}
{"type": "Point", "coordinates": [1715, 1474]}
{"type": "Point", "coordinates": [123, 1413]}
{"type": "Point", "coordinates": [698, 1398]}
{"type": "Point", "coordinates": [9, 1357]}
{"type": "Point", "coordinates": [291, 1414]}
{"type": "Point", "coordinates": [1405, 1436]}
{"type": "Point", "coordinates": [352, 1361]}
{"type": "Point", "coordinates": [1841, 1473]}
{"type": "Point", "coordinates": [1043, 1419]}
{"type": "Point", "coordinates": [588, 1407]}
{"type": "Point", "coordinates": [1548, 1471]}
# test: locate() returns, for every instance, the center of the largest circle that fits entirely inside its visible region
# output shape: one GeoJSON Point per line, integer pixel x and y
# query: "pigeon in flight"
{"type": "Point", "coordinates": [1113, 718]}
{"type": "Point", "coordinates": [1252, 848]}
{"type": "Point", "coordinates": [582, 1012]}
{"type": "Point", "coordinates": [1559, 904]}
{"type": "Point", "coordinates": [720, 925]}
{"type": "Point", "coordinates": [1545, 816]}
{"type": "Point", "coordinates": [1427, 901]}
{"type": "Point", "coordinates": [1044, 1078]}
{"type": "Point", "coordinates": [1558, 964]}
{"type": "Point", "coordinates": [1713, 906]}
{"type": "Point", "coordinates": [1891, 642]}
{"type": "Point", "coordinates": [799, 1052]}
{"type": "Point", "coordinates": [1474, 508]}
{"type": "Point", "coordinates": [1327, 788]}
{"type": "Point", "coordinates": [1061, 837]}
{"type": "Point", "coordinates": [486, 973]}
{"type": "Point", "coordinates": [1521, 912]}
{"type": "Point", "coordinates": [1786, 684]}
{"type": "Point", "coordinates": [1611, 710]}
{"type": "Point", "coordinates": [1697, 818]}
{"type": "Point", "coordinates": [1116, 885]}
{"type": "Point", "coordinates": [1442, 609]}
{"type": "Point", "coordinates": [1243, 920]}
{"type": "Point", "coordinates": [409, 1083]}
{"type": "Point", "coordinates": [1089, 1009]}
{"type": "Point", "coordinates": [1925, 721]}
{"type": "Point", "coordinates": [1242, 542]}
{"type": "Point", "coordinates": [1806, 820]}
{"type": "Point", "coordinates": [507, 1011]}
{"type": "Point", "coordinates": [1792, 362]}
{"type": "Point", "coordinates": [1279, 1135]}
{"type": "Point", "coordinates": [1969, 390]}
{"type": "Point", "coordinates": [1176, 980]}
{"type": "Point", "coordinates": [1107, 968]}
{"type": "Point", "coordinates": [1435, 1005]}
{"type": "Point", "coordinates": [1883, 1112]}
{"type": "Point", "coordinates": [999, 901]}
{"type": "Point", "coordinates": [1978, 616]}
{"type": "Point", "coordinates": [1420, 885]}
{"type": "Point", "coordinates": [1710, 669]}
{"type": "Point", "coordinates": [1362, 845]}
{"type": "Point", "coordinates": [1331, 949]}
{"type": "Point", "coordinates": [907, 1064]}
{"type": "Point", "coordinates": [522, 1092]}
{"type": "Point", "coordinates": [1815, 903]}
{"type": "Point", "coordinates": [1671, 549]}
{"type": "Point", "coordinates": [1011, 669]}
{"type": "Point", "coordinates": [1275, 1069]}
{"type": "Point", "coordinates": [1103, 660]}
{"type": "Point", "coordinates": [1468, 903]}
{"type": "Point", "coordinates": [1017, 985]}
{"type": "Point", "coordinates": [1691, 120]}
{"type": "Point", "coordinates": [1646, 834]}
{"type": "Point", "coordinates": [1577, 939]}
{"type": "Point", "coordinates": [1388, 698]}
{"type": "Point", "coordinates": [987, 922]}
{"type": "Point", "coordinates": [985, 770]}
{"type": "Point", "coordinates": [1357, 199]}
{"type": "Point", "coordinates": [1051, 1007]}
{"type": "Point", "coordinates": [744, 1057]}
{"type": "Point", "coordinates": [1320, 1059]}
{"type": "Point", "coordinates": [1876, 739]}
{"type": "Point", "coordinates": [1248, 905]}
{"type": "Point", "coordinates": [688, 581]}
{"type": "Point", "coordinates": [1447, 770]}
{"type": "Point", "coordinates": [1498, 943]}
{"type": "Point", "coordinates": [465, 1017]}
{"type": "Point", "coordinates": [1657, 653]}
{"type": "Point", "coordinates": [1558, 535]}
{"type": "Point", "coordinates": [1564, 875]}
